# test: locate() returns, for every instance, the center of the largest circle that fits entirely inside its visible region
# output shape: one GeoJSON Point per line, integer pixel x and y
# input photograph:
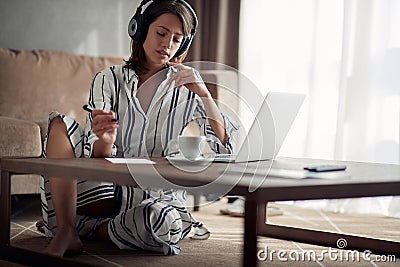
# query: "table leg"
{"type": "Point", "coordinates": [252, 208]}
{"type": "Point", "coordinates": [5, 207]}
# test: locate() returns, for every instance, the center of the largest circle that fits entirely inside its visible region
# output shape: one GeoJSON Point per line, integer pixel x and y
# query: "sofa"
{"type": "Point", "coordinates": [34, 83]}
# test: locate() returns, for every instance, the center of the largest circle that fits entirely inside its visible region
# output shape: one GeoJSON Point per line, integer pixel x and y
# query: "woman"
{"type": "Point", "coordinates": [154, 112]}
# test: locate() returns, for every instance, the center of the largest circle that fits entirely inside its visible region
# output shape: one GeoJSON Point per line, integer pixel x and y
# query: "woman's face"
{"type": "Point", "coordinates": [163, 40]}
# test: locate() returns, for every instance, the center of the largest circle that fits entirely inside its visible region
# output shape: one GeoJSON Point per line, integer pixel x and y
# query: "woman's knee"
{"type": "Point", "coordinates": [58, 143]}
{"type": "Point", "coordinates": [56, 127]}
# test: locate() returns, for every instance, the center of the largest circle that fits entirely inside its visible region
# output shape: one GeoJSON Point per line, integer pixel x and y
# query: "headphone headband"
{"type": "Point", "coordinates": [138, 26]}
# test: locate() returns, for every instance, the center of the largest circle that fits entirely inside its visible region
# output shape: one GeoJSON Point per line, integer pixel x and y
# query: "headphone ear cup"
{"type": "Point", "coordinates": [136, 28]}
{"type": "Point", "coordinates": [132, 27]}
{"type": "Point", "coordinates": [184, 46]}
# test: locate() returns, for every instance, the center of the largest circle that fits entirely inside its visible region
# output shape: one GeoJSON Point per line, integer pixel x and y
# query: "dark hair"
{"type": "Point", "coordinates": [153, 11]}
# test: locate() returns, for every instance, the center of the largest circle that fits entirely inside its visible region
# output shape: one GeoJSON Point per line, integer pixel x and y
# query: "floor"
{"type": "Point", "coordinates": [224, 247]}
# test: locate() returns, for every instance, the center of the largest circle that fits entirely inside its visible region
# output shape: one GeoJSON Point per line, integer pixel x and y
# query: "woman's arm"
{"type": "Point", "coordinates": [215, 118]}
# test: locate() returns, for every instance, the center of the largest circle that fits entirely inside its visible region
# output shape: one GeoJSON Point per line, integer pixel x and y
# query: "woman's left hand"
{"type": "Point", "coordinates": [188, 78]}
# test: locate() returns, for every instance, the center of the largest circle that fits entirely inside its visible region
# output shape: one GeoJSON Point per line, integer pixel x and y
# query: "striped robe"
{"type": "Point", "coordinates": [151, 219]}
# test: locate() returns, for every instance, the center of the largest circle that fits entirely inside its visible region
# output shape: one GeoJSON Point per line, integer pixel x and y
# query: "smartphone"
{"type": "Point", "coordinates": [325, 168]}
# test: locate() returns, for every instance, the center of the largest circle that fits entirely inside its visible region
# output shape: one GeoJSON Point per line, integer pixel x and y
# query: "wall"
{"type": "Point", "coordinates": [91, 27]}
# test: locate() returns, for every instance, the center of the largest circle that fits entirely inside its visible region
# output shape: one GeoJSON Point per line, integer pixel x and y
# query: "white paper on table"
{"type": "Point", "coordinates": [130, 161]}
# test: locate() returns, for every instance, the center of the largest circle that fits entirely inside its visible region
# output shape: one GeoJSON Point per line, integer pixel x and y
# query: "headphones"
{"type": "Point", "coordinates": [139, 26]}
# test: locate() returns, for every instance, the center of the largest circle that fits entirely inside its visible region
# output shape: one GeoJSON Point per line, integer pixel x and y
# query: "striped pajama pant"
{"type": "Point", "coordinates": [154, 220]}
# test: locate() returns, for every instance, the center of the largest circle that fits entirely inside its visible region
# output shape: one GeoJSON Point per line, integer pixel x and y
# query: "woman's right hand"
{"type": "Point", "coordinates": [104, 126]}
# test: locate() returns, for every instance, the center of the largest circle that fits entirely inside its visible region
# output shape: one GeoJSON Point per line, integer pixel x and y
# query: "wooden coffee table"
{"type": "Point", "coordinates": [367, 179]}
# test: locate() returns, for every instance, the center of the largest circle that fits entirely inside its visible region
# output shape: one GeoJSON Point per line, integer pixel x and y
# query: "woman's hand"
{"type": "Point", "coordinates": [188, 78]}
{"type": "Point", "coordinates": [104, 126]}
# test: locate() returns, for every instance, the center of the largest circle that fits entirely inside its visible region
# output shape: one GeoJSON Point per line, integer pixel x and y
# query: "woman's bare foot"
{"type": "Point", "coordinates": [40, 226]}
{"type": "Point", "coordinates": [65, 240]}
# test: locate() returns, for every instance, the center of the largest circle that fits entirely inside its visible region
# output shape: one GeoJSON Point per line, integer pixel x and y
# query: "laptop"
{"type": "Point", "coordinates": [268, 130]}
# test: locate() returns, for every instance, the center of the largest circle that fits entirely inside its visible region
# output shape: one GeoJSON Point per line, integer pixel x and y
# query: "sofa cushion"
{"type": "Point", "coordinates": [34, 83]}
{"type": "Point", "coordinates": [19, 138]}
{"type": "Point", "coordinates": [25, 184]}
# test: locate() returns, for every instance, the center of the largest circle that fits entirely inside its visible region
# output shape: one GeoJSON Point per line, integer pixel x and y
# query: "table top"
{"type": "Point", "coordinates": [360, 179]}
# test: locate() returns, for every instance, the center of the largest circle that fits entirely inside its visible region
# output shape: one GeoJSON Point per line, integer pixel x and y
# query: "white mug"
{"type": "Point", "coordinates": [192, 147]}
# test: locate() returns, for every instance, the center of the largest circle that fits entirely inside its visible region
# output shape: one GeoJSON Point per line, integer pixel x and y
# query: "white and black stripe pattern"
{"type": "Point", "coordinates": [154, 220]}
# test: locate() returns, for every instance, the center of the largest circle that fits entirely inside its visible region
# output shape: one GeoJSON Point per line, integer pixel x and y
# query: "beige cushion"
{"type": "Point", "coordinates": [19, 138]}
{"type": "Point", "coordinates": [25, 184]}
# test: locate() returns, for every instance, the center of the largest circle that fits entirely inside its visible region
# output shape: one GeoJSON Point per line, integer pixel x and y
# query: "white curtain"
{"type": "Point", "coordinates": [345, 56]}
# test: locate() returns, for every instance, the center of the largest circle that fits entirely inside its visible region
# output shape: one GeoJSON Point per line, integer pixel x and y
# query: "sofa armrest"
{"type": "Point", "coordinates": [19, 138]}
